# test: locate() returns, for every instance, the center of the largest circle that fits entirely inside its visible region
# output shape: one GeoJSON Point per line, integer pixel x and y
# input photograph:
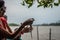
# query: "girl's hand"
{"type": "Point", "coordinates": [27, 29]}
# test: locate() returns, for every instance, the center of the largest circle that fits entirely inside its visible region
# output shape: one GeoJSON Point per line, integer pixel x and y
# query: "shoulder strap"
{"type": "Point", "coordinates": [1, 23]}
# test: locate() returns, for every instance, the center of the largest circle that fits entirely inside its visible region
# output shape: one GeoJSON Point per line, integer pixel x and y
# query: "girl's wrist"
{"type": "Point", "coordinates": [22, 32]}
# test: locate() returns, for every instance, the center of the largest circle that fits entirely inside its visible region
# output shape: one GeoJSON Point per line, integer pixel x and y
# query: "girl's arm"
{"type": "Point", "coordinates": [18, 32]}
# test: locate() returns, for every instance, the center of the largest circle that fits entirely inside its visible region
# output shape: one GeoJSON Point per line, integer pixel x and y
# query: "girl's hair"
{"type": "Point", "coordinates": [1, 3]}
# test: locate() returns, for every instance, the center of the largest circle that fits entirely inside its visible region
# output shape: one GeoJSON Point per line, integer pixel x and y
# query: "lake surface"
{"type": "Point", "coordinates": [43, 33]}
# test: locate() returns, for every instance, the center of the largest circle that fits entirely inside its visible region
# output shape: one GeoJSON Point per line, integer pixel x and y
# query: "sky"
{"type": "Point", "coordinates": [18, 14]}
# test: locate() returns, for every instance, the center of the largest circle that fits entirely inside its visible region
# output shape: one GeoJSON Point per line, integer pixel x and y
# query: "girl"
{"type": "Point", "coordinates": [5, 31]}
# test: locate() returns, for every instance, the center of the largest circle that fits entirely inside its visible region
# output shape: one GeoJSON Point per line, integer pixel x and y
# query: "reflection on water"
{"type": "Point", "coordinates": [43, 33]}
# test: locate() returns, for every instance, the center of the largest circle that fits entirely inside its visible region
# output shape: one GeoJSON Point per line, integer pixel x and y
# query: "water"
{"type": "Point", "coordinates": [43, 33]}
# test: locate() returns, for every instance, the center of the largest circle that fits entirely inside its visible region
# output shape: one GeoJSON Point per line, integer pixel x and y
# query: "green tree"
{"type": "Point", "coordinates": [44, 3]}
{"type": "Point", "coordinates": [13, 24]}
